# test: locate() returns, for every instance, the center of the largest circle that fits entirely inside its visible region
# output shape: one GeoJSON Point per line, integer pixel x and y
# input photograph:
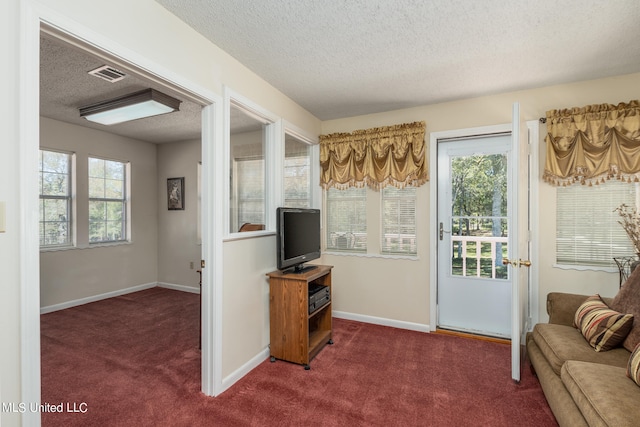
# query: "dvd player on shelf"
{"type": "Point", "coordinates": [319, 295]}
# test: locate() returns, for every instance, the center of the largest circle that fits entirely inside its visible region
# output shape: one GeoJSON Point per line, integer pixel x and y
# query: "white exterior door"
{"type": "Point", "coordinates": [474, 225]}
{"type": "Point", "coordinates": [520, 241]}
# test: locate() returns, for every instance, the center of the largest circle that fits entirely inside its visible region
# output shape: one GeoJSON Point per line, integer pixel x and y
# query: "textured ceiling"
{"type": "Point", "coordinates": [345, 58]}
{"type": "Point", "coordinates": [65, 86]}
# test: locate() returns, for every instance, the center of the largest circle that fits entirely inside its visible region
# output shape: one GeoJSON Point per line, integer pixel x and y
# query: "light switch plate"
{"type": "Point", "coordinates": [2, 218]}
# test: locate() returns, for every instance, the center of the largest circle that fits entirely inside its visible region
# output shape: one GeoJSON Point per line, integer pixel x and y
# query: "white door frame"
{"type": "Point", "coordinates": [433, 211]}
{"type": "Point", "coordinates": [33, 15]}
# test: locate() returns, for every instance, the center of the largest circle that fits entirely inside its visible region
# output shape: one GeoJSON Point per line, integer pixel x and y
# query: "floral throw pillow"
{"type": "Point", "coordinates": [602, 327]}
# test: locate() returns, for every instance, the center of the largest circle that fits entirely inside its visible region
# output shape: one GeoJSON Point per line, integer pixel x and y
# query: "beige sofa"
{"type": "Point", "coordinates": [585, 387]}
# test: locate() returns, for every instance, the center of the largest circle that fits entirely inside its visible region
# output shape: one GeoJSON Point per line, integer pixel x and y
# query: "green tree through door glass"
{"type": "Point", "coordinates": [479, 216]}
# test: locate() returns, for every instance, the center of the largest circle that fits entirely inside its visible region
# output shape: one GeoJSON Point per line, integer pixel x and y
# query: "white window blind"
{"type": "Point", "coordinates": [347, 219]}
{"type": "Point", "coordinates": [297, 174]}
{"type": "Point", "coordinates": [55, 198]}
{"type": "Point", "coordinates": [587, 228]}
{"type": "Point", "coordinates": [107, 201]}
{"type": "Point", "coordinates": [399, 221]}
{"type": "Point", "coordinates": [251, 191]}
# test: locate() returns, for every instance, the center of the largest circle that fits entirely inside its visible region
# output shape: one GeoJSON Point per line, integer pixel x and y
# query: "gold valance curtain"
{"type": "Point", "coordinates": [592, 144]}
{"type": "Point", "coordinates": [377, 157]}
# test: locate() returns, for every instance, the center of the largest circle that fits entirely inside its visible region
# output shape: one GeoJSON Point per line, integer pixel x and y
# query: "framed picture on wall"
{"type": "Point", "coordinates": [175, 194]}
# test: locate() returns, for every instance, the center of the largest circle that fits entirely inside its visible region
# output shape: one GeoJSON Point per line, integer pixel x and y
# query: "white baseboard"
{"type": "Point", "coordinates": [94, 298]}
{"type": "Point", "coordinates": [119, 292]}
{"type": "Point", "coordinates": [382, 321]}
{"type": "Point", "coordinates": [244, 369]}
{"type": "Point", "coordinates": [182, 288]}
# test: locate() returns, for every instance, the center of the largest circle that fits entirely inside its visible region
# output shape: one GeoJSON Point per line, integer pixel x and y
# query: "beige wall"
{"type": "Point", "coordinates": [352, 273]}
{"type": "Point", "coordinates": [245, 331]}
{"type": "Point", "coordinates": [391, 291]}
{"type": "Point", "coordinates": [68, 275]}
{"type": "Point", "coordinates": [178, 245]}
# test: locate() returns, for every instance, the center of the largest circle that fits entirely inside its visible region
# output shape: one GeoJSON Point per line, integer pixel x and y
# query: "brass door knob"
{"type": "Point", "coordinates": [519, 263]}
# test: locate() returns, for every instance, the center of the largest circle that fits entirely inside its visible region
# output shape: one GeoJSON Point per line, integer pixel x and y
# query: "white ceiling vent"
{"type": "Point", "coordinates": [108, 73]}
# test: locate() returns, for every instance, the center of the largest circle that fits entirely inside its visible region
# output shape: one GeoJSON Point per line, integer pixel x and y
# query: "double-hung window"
{"type": "Point", "coordinates": [55, 199]}
{"type": "Point", "coordinates": [347, 219]}
{"type": "Point", "coordinates": [107, 201]}
{"type": "Point", "coordinates": [398, 221]}
{"type": "Point", "coordinates": [587, 229]}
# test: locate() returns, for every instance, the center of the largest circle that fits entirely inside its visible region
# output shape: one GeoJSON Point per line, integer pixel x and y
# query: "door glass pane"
{"type": "Point", "coordinates": [479, 226]}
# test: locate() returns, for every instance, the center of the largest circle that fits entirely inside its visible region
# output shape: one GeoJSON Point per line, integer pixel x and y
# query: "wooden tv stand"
{"type": "Point", "coordinates": [296, 335]}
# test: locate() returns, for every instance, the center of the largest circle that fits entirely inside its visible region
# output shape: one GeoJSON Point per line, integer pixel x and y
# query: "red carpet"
{"type": "Point", "coordinates": [134, 361]}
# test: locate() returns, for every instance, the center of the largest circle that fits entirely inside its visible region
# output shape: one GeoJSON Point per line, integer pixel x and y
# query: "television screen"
{"type": "Point", "coordinates": [298, 237]}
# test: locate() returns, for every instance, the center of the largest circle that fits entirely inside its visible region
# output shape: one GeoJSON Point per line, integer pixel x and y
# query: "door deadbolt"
{"type": "Point", "coordinates": [442, 231]}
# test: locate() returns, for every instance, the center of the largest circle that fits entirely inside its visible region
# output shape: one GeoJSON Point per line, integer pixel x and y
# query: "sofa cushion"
{"type": "Point", "coordinates": [633, 367]}
{"type": "Point", "coordinates": [559, 343]}
{"type": "Point", "coordinates": [602, 327]}
{"type": "Point", "coordinates": [603, 393]}
{"type": "Point", "coordinates": [628, 301]}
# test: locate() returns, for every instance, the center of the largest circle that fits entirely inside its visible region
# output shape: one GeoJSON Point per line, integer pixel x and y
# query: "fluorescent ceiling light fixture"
{"type": "Point", "coordinates": [138, 105]}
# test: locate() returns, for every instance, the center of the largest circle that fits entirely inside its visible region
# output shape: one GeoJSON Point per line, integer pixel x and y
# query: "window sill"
{"type": "Point", "coordinates": [89, 246]}
{"type": "Point", "coordinates": [107, 244]}
{"type": "Point", "coordinates": [58, 248]}
{"type": "Point", "coordinates": [248, 235]}
{"type": "Point", "coordinates": [367, 255]}
{"type": "Point", "coordinates": [586, 268]}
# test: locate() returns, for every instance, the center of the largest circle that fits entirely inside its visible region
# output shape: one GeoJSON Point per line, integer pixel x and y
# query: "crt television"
{"type": "Point", "coordinates": [298, 237]}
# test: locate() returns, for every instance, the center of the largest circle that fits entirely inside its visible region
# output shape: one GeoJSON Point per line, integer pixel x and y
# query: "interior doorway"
{"type": "Point", "coordinates": [64, 80]}
{"type": "Point", "coordinates": [211, 116]}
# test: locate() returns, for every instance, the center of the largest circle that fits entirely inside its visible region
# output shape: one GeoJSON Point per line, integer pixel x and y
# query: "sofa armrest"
{"type": "Point", "coordinates": [562, 307]}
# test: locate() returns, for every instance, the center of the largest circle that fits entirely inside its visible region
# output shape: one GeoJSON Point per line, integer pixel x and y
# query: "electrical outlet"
{"type": "Point", "coordinates": [191, 265]}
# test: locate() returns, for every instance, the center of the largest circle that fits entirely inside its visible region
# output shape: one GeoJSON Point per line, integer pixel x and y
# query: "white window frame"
{"type": "Point", "coordinates": [70, 198]}
{"type": "Point", "coordinates": [273, 128]}
{"type": "Point", "coordinates": [616, 243]}
{"type": "Point", "coordinates": [126, 200]}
